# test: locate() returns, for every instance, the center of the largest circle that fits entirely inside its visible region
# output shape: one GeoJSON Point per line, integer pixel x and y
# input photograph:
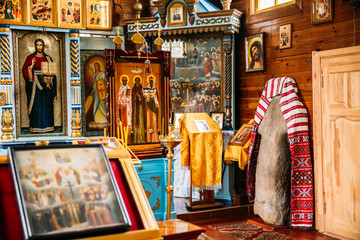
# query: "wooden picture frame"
{"type": "Point", "coordinates": [219, 118]}
{"type": "Point", "coordinates": [93, 69]}
{"type": "Point", "coordinates": [84, 197]}
{"type": "Point", "coordinates": [99, 14]}
{"type": "Point", "coordinates": [242, 136]}
{"type": "Point", "coordinates": [40, 111]}
{"type": "Point", "coordinates": [71, 14]}
{"type": "Point", "coordinates": [321, 11]}
{"type": "Point", "coordinates": [197, 80]}
{"type": "Point", "coordinates": [114, 148]}
{"type": "Point", "coordinates": [139, 95]}
{"type": "Point", "coordinates": [285, 36]}
{"type": "Point", "coordinates": [40, 13]}
{"type": "Point", "coordinates": [255, 52]}
{"type": "Point", "coordinates": [176, 15]}
{"type": "Point", "coordinates": [13, 12]}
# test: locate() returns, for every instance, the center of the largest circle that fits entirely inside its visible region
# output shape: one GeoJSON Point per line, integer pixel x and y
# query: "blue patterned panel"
{"type": "Point", "coordinates": [153, 178]}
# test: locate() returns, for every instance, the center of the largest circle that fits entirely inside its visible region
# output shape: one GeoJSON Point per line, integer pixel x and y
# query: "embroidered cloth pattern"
{"type": "Point", "coordinates": [295, 114]}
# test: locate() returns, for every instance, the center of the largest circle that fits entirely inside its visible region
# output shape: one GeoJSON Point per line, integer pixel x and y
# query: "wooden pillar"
{"type": "Point", "coordinates": [6, 82]}
{"type": "Point", "coordinates": [227, 46]}
{"type": "Point", "coordinates": [75, 84]}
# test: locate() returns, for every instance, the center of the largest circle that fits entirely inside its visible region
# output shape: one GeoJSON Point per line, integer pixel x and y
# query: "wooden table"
{"type": "Point", "coordinates": [178, 229]}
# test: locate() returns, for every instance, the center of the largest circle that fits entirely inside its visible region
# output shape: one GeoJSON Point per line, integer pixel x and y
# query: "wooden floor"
{"type": "Point", "coordinates": [230, 214]}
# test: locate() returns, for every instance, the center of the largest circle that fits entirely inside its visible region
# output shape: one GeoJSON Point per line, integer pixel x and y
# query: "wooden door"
{"type": "Point", "coordinates": [336, 91]}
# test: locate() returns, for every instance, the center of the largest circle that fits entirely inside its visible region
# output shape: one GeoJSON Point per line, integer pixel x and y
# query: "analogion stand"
{"type": "Point", "coordinates": [207, 199]}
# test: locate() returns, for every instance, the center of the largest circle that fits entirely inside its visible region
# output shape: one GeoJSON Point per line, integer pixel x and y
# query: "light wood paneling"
{"type": "Point", "coordinates": [336, 127]}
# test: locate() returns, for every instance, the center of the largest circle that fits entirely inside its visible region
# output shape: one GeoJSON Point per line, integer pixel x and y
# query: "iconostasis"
{"type": "Point", "coordinates": [200, 78]}
{"type": "Point", "coordinates": [200, 38]}
{"type": "Point", "coordinates": [45, 75]}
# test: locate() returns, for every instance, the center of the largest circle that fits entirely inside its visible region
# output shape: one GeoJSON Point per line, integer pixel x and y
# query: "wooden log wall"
{"type": "Point", "coordinates": [295, 62]}
{"type": "Point", "coordinates": [122, 10]}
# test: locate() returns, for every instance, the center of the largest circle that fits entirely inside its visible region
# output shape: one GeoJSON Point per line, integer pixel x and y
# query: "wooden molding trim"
{"type": "Point", "coordinates": [220, 13]}
{"type": "Point", "coordinates": [141, 20]}
{"type": "Point", "coordinates": [252, 17]}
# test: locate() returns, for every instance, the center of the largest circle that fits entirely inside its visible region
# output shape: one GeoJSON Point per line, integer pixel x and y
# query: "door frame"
{"type": "Point", "coordinates": [318, 140]}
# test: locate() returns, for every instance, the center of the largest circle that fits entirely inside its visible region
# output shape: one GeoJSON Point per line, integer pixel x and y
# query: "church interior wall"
{"type": "Point", "coordinates": [295, 62]}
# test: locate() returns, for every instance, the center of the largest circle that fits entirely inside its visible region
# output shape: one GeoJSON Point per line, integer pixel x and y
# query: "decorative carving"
{"type": "Point", "coordinates": [162, 12]}
{"type": "Point", "coordinates": [167, 63]}
{"type": "Point", "coordinates": [74, 34]}
{"type": "Point", "coordinates": [75, 83]}
{"type": "Point", "coordinates": [144, 27]}
{"type": "Point", "coordinates": [191, 20]}
{"type": "Point", "coordinates": [231, 19]}
{"type": "Point", "coordinates": [191, 10]}
{"type": "Point", "coordinates": [236, 21]}
{"type": "Point", "coordinates": [157, 204]}
{"type": "Point", "coordinates": [212, 21]}
{"type": "Point", "coordinates": [8, 81]}
{"type": "Point", "coordinates": [75, 57]}
{"type": "Point", "coordinates": [205, 29]}
{"type": "Point", "coordinates": [110, 60]}
{"type": "Point", "coordinates": [5, 96]}
{"type": "Point", "coordinates": [7, 122]}
{"type": "Point", "coordinates": [4, 29]}
{"type": "Point", "coordinates": [147, 192]}
{"type": "Point", "coordinates": [227, 46]}
{"type": "Point", "coordinates": [156, 179]}
{"type": "Point", "coordinates": [76, 122]}
{"type": "Point", "coordinates": [2, 99]}
{"type": "Point", "coordinates": [191, 6]}
{"type": "Point", "coordinates": [226, 4]}
{"type": "Point", "coordinates": [5, 54]}
{"type": "Point", "coordinates": [163, 22]}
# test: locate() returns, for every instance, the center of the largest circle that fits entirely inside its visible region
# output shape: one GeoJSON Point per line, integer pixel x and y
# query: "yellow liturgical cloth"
{"type": "Point", "coordinates": [202, 151]}
{"type": "Point", "coordinates": [238, 154]}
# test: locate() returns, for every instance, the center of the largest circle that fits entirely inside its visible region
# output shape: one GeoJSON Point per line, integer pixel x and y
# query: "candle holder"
{"type": "Point", "coordinates": [169, 141]}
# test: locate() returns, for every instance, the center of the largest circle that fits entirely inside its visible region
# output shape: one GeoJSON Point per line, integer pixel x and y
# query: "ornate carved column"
{"type": "Point", "coordinates": [227, 46]}
{"type": "Point", "coordinates": [5, 50]}
{"type": "Point", "coordinates": [7, 122]}
{"type": "Point", "coordinates": [191, 4]}
{"type": "Point", "coordinates": [75, 84]}
{"type": "Point", "coordinates": [161, 5]}
{"type": "Point", "coordinates": [226, 4]}
{"type": "Point", "coordinates": [6, 82]}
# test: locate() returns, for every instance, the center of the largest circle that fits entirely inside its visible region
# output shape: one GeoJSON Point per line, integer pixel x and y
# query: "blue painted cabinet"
{"type": "Point", "coordinates": [153, 177]}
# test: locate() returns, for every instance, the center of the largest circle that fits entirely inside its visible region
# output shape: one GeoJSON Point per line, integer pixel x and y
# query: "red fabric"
{"type": "Point", "coordinates": [127, 197]}
{"type": "Point", "coordinates": [10, 222]}
{"type": "Point", "coordinates": [296, 117]}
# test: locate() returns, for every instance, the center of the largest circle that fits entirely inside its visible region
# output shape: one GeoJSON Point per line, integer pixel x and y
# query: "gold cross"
{"type": "Point", "coordinates": [118, 30]}
{"type": "Point", "coordinates": [159, 32]}
{"type": "Point", "coordinates": [137, 25]}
